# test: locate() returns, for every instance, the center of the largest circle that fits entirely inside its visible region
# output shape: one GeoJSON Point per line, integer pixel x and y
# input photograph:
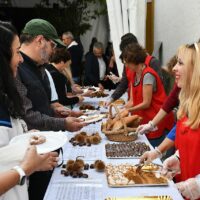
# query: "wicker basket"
{"type": "Point", "coordinates": [121, 135]}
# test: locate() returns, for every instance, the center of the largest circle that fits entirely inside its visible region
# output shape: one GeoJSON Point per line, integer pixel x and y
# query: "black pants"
{"type": "Point", "coordinates": [38, 183]}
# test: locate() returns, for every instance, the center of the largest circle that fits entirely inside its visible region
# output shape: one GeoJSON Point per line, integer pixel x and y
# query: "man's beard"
{"type": "Point", "coordinates": [44, 56]}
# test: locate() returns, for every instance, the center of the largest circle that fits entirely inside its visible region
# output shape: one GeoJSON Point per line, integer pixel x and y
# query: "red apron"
{"type": "Point", "coordinates": [129, 74]}
{"type": "Point", "coordinates": [188, 143]}
{"type": "Point", "coordinates": [158, 98]}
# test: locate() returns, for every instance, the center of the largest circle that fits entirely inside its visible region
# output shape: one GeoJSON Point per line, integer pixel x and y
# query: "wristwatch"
{"type": "Point", "coordinates": [21, 174]}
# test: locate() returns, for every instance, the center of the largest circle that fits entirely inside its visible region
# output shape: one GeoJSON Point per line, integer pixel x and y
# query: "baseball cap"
{"type": "Point", "coordinates": [42, 27]}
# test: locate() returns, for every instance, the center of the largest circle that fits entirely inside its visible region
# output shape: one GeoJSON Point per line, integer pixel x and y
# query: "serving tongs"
{"type": "Point", "coordinates": [141, 165]}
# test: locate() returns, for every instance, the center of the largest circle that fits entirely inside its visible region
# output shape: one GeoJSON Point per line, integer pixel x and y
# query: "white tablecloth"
{"type": "Point", "coordinates": [96, 187]}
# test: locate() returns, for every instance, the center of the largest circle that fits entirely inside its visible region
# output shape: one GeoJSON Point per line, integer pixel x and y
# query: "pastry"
{"type": "Point", "coordinates": [37, 139]}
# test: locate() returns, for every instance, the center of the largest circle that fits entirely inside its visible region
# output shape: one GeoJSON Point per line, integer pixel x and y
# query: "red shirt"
{"type": "Point", "coordinates": [158, 98]}
{"type": "Point", "coordinates": [129, 73]}
{"type": "Point", "coordinates": [188, 143]}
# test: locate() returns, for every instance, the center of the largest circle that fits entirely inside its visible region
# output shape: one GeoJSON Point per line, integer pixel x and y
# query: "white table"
{"type": "Point", "coordinates": [95, 187]}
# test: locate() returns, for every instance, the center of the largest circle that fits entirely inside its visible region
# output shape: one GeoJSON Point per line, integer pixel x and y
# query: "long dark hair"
{"type": "Point", "coordinates": [9, 96]}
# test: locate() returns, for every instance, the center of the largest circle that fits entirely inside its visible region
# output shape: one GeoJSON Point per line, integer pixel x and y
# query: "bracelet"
{"type": "Point", "coordinates": [21, 173]}
{"type": "Point", "coordinates": [159, 152]}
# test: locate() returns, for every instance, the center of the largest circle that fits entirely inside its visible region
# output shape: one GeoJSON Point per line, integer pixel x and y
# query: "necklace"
{"type": "Point", "coordinates": [139, 73]}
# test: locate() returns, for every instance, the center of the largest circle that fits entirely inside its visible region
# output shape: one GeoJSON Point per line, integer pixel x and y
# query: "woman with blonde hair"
{"type": "Point", "coordinates": [187, 159]}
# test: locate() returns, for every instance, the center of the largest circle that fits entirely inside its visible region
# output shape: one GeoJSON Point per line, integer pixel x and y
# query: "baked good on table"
{"type": "Point", "coordinates": [124, 175]}
{"type": "Point", "coordinates": [121, 127]}
{"type": "Point", "coordinates": [99, 94]}
{"type": "Point", "coordinates": [86, 107]}
{"type": "Point", "coordinates": [119, 102]}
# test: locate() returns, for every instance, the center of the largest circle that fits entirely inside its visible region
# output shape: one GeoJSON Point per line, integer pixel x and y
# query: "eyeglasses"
{"type": "Point", "coordinates": [53, 44]}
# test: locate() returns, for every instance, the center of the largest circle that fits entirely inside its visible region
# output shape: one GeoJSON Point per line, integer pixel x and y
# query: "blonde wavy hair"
{"type": "Point", "coordinates": [190, 92]}
{"type": "Point", "coordinates": [68, 73]}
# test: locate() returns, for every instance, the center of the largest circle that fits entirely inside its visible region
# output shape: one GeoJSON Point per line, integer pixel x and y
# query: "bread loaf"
{"type": "Point", "coordinates": [111, 122]}
{"type": "Point", "coordinates": [130, 121]}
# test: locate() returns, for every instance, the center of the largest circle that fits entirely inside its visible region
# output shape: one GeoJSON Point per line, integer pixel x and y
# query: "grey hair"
{"type": "Point", "coordinates": [98, 45]}
{"type": "Point", "coordinates": [69, 34]}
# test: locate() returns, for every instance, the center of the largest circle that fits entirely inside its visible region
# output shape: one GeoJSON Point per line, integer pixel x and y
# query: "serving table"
{"type": "Point", "coordinates": [95, 187]}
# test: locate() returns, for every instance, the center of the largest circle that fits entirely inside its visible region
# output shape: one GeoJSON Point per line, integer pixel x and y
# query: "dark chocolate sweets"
{"type": "Point", "coordinates": [125, 150]}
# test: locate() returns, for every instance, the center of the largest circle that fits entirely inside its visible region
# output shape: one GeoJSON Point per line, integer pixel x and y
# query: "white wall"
{"type": "Point", "coordinates": [176, 22]}
{"type": "Point", "coordinates": [99, 29]}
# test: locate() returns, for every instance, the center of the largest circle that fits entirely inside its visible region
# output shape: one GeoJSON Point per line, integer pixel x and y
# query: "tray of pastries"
{"type": "Point", "coordinates": [126, 175]}
{"type": "Point", "coordinates": [126, 150]}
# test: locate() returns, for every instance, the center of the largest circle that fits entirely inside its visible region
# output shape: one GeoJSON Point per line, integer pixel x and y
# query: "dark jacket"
{"type": "Point", "coordinates": [61, 83]}
{"type": "Point", "coordinates": [76, 53]}
{"type": "Point", "coordinates": [37, 84]}
{"type": "Point", "coordinates": [34, 89]}
{"type": "Point", "coordinates": [92, 70]}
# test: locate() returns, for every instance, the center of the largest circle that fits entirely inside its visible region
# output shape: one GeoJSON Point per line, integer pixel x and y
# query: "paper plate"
{"type": "Point", "coordinates": [92, 118]}
{"type": "Point", "coordinates": [54, 140]}
{"type": "Point", "coordinates": [90, 112]}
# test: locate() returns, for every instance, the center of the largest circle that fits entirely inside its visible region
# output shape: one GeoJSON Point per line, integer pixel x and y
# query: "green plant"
{"type": "Point", "coordinates": [72, 15]}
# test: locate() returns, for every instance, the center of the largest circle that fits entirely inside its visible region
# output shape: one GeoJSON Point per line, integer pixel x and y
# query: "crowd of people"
{"type": "Point", "coordinates": [40, 81]}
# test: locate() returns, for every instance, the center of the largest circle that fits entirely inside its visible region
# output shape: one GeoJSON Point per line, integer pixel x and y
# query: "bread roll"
{"type": "Point", "coordinates": [111, 123]}
{"type": "Point", "coordinates": [130, 121]}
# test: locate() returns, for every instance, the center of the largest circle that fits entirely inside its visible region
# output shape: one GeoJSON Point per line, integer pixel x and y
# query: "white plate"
{"type": "Point", "coordinates": [92, 118]}
{"type": "Point", "coordinates": [89, 112]}
{"type": "Point", "coordinates": [54, 140]}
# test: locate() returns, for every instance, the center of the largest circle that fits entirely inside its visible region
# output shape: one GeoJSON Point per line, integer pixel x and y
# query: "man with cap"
{"type": "Point", "coordinates": [38, 39]}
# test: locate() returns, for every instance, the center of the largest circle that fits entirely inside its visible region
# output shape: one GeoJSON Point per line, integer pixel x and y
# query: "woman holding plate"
{"type": "Point", "coordinates": [11, 112]}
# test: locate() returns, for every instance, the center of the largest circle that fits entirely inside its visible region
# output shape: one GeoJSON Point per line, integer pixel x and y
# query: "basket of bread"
{"type": "Point", "coordinates": [120, 127]}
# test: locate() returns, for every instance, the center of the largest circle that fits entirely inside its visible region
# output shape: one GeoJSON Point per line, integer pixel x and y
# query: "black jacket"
{"type": "Point", "coordinates": [92, 70]}
{"type": "Point", "coordinates": [37, 84]}
{"type": "Point", "coordinates": [76, 57]}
